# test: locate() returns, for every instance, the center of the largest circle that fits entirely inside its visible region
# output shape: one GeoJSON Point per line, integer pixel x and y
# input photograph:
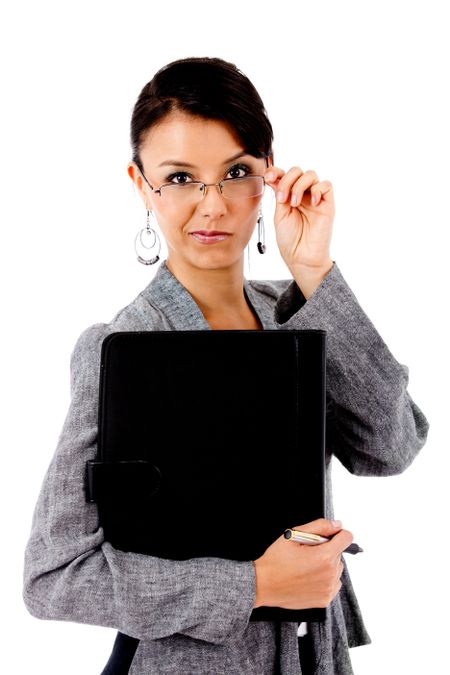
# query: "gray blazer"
{"type": "Point", "coordinates": [192, 616]}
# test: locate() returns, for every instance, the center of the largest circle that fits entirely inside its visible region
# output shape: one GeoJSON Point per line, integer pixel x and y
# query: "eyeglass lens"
{"type": "Point", "coordinates": [232, 188]}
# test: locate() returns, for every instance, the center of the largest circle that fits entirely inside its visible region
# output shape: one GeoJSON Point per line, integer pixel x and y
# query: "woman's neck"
{"type": "Point", "coordinates": [216, 291]}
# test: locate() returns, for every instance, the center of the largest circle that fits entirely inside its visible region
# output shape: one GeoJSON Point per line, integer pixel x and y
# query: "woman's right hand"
{"type": "Point", "coordinates": [301, 576]}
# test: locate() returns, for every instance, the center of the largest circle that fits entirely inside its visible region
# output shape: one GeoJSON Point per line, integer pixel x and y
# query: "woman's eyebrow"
{"type": "Point", "coordinates": [176, 162]}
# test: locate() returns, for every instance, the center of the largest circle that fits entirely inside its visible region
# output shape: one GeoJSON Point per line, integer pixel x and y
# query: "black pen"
{"type": "Point", "coordinates": [297, 536]}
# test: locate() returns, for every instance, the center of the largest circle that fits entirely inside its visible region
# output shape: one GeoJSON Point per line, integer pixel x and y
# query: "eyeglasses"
{"type": "Point", "coordinates": [193, 192]}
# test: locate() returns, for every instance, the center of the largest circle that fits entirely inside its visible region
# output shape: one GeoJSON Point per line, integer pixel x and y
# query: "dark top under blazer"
{"type": "Point", "coordinates": [193, 616]}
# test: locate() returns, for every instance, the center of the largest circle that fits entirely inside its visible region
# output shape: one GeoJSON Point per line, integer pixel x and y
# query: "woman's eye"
{"type": "Point", "coordinates": [239, 167]}
{"type": "Point", "coordinates": [175, 175]}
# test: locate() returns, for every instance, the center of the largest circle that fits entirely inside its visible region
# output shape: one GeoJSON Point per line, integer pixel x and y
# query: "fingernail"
{"type": "Point", "coordinates": [314, 200]}
{"type": "Point", "coordinates": [281, 196]}
{"type": "Point", "coordinates": [294, 200]}
{"type": "Point", "coordinates": [336, 523]}
{"type": "Point", "coordinates": [270, 176]}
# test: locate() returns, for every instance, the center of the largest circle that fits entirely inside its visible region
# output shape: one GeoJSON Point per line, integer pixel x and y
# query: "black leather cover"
{"type": "Point", "coordinates": [210, 443]}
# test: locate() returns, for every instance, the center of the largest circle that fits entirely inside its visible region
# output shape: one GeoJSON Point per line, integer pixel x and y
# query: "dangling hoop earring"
{"type": "Point", "coordinates": [261, 244]}
{"type": "Point", "coordinates": [150, 232]}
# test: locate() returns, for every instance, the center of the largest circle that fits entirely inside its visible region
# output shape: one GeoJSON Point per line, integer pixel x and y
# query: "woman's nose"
{"type": "Point", "coordinates": [213, 200]}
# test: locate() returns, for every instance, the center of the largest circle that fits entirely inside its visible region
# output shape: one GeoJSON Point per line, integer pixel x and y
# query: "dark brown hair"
{"type": "Point", "coordinates": [203, 87]}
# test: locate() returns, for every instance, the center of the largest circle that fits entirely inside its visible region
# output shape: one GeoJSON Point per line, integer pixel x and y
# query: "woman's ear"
{"type": "Point", "coordinates": [135, 175]}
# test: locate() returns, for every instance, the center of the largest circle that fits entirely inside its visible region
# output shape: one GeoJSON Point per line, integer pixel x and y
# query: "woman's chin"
{"type": "Point", "coordinates": [212, 260]}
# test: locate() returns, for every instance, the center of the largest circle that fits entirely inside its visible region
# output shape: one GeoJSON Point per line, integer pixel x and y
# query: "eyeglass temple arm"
{"type": "Point", "coordinates": [150, 186]}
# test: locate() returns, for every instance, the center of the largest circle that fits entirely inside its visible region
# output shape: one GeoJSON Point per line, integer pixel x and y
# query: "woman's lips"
{"type": "Point", "coordinates": [204, 238]}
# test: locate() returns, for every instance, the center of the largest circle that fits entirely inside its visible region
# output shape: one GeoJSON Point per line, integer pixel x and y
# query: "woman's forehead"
{"type": "Point", "coordinates": [191, 141]}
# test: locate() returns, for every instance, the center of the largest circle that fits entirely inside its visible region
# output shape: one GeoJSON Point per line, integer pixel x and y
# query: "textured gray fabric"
{"type": "Point", "coordinates": [192, 617]}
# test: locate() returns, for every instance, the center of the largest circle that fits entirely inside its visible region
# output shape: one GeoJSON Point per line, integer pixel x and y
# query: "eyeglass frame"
{"type": "Point", "coordinates": [205, 185]}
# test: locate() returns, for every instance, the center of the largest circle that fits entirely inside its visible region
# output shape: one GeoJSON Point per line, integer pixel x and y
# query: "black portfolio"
{"type": "Point", "coordinates": [210, 443]}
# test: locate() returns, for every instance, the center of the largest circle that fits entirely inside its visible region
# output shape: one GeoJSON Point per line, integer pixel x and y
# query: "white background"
{"type": "Point", "coordinates": [356, 91]}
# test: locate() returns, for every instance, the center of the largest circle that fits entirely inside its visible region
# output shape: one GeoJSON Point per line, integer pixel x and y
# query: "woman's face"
{"type": "Point", "coordinates": [193, 148]}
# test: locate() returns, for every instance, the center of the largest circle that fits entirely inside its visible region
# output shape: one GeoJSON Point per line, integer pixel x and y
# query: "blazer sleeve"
{"type": "Point", "coordinates": [373, 425]}
{"type": "Point", "coordinates": [72, 574]}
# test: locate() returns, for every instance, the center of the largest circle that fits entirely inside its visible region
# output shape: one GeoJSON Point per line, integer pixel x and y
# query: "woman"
{"type": "Point", "coordinates": [202, 155]}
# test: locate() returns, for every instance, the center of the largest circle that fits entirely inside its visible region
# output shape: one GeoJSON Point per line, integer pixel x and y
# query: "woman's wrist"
{"type": "Point", "coordinates": [261, 590]}
{"type": "Point", "coordinates": [310, 278]}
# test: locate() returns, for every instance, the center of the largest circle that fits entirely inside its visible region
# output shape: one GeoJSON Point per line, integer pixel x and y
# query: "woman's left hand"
{"type": "Point", "coordinates": [303, 230]}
